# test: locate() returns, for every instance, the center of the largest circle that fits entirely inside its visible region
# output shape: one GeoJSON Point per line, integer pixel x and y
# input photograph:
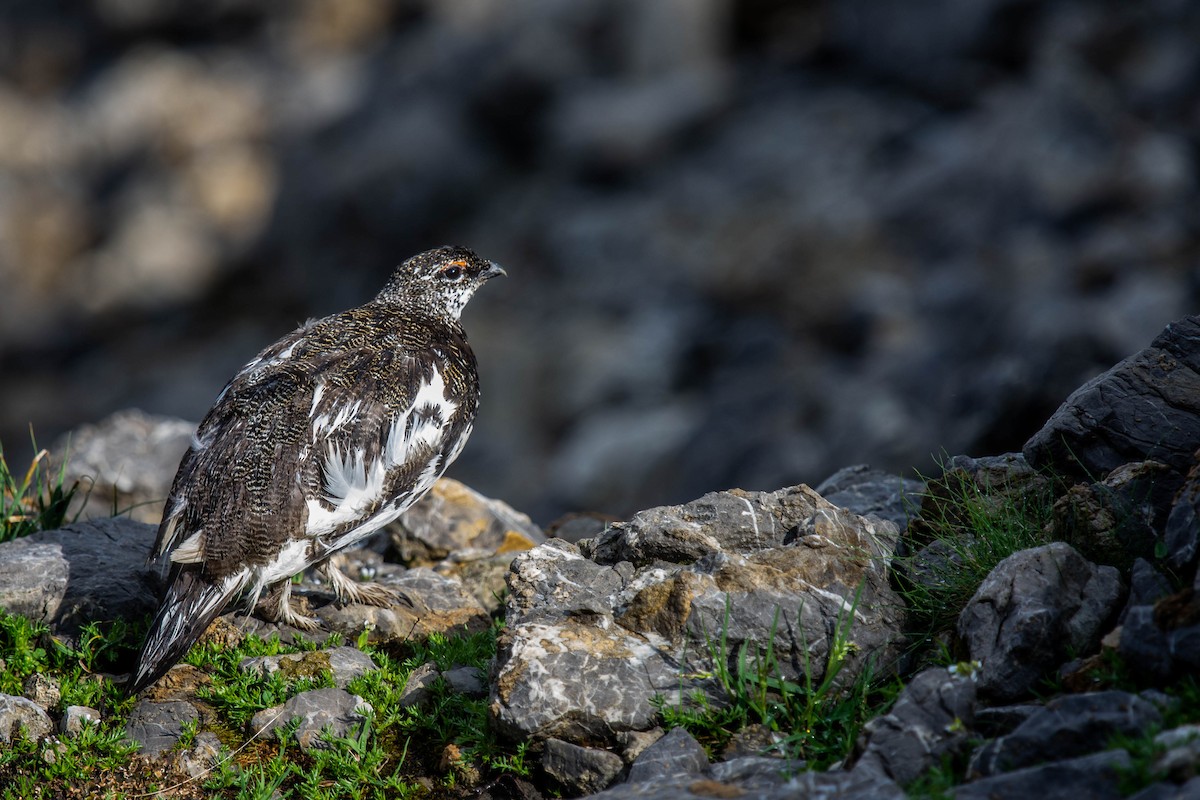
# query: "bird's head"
{"type": "Point", "coordinates": [440, 281]}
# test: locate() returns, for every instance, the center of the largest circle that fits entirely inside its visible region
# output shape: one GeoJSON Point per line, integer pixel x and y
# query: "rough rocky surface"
{"type": "Point", "coordinates": [1145, 408]}
{"type": "Point", "coordinates": [343, 663]}
{"type": "Point", "coordinates": [580, 770]}
{"type": "Point", "coordinates": [1070, 726]}
{"type": "Point", "coordinates": [157, 726]}
{"type": "Point", "coordinates": [93, 570]}
{"type": "Point", "coordinates": [931, 719]}
{"type": "Point", "coordinates": [74, 719]}
{"type": "Point", "coordinates": [1096, 775]}
{"type": "Point", "coordinates": [22, 716]}
{"type": "Point", "coordinates": [321, 712]}
{"type": "Point", "coordinates": [125, 462]}
{"type": "Point", "coordinates": [595, 631]}
{"type": "Point", "coordinates": [647, 607]}
{"type": "Point", "coordinates": [1032, 610]}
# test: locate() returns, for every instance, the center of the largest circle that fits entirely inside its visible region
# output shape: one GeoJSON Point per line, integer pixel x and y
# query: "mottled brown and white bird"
{"type": "Point", "coordinates": [326, 436]}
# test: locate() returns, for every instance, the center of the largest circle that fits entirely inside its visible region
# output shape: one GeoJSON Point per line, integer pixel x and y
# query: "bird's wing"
{"type": "Point", "coordinates": [202, 462]}
{"type": "Point", "coordinates": [319, 439]}
{"type": "Point", "coordinates": [377, 452]}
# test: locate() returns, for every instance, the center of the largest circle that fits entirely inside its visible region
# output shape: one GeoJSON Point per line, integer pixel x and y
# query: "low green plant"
{"type": "Point", "coordinates": [35, 501]}
{"type": "Point", "coordinates": [818, 719]}
{"type": "Point", "coordinates": [972, 529]}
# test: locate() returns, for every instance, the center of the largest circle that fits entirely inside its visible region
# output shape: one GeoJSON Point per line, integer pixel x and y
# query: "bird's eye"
{"type": "Point", "coordinates": [452, 273]}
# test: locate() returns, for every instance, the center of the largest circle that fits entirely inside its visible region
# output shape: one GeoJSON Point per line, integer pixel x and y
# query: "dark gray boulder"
{"type": "Point", "coordinates": [1147, 407]}
{"type": "Point", "coordinates": [93, 570]}
{"type": "Point", "coordinates": [1096, 777]}
{"type": "Point", "coordinates": [873, 492]}
{"type": "Point", "coordinates": [580, 770]}
{"type": "Point", "coordinates": [933, 717]}
{"type": "Point", "coordinates": [1034, 610]}
{"type": "Point", "coordinates": [675, 755]}
{"type": "Point", "coordinates": [1068, 726]}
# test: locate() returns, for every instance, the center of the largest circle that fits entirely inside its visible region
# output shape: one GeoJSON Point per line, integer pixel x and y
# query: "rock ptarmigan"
{"type": "Point", "coordinates": [326, 436]}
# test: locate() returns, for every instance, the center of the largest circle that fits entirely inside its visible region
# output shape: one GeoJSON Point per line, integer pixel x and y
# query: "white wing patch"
{"type": "Point", "coordinates": [190, 551]}
{"type": "Point", "coordinates": [354, 485]}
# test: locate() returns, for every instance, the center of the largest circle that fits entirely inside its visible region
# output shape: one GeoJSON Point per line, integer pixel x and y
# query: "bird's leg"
{"type": "Point", "coordinates": [276, 607]}
{"type": "Point", "coordinates": [347, 590]}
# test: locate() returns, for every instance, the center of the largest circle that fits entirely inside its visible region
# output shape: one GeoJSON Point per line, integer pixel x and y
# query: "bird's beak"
{"type": "Point", "coordinates": [492, 271]}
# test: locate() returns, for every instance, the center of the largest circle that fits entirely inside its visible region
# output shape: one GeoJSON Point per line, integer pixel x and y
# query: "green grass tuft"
{"type": "Point", "coordinates": [34, 501]}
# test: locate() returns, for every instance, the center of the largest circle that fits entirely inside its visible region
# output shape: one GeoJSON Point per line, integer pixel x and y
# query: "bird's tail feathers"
{"type": "Point", "coordinates": [190, 604]}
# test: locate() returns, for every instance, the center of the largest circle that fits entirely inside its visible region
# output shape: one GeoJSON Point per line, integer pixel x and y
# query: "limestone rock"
{"type": "Point", "coordinates": [1145, 408]}
{"type": "Point", "coordinates": [333, 710]}
{"type": "Point", "coordinates": [417, 689]}
{"type": "Point", "coordinates": [43, 690]}
{"type": "Point", "coordinates": [453, 516]}
{"type": "Point", "coordinates": [21, 716]}
{"type": "Point", "coordinates": [673, 757]}
{"type": "Point", "coordinates": [429, 602]}
{"type": "Point", "coordinates": [1115, 521]}
{"type": "Point", "coordinates": [1033, 609]}
{"type": "Point", "coordinates": [126, 462]}
{"type": "Point", "coordinates": [158, 726]}
{"type": "Point", "coordinates": [1093, 776]}
{"type": "Point", "coordinates": [873, 492]}
{"type": "Point", "coordinates": [591, 637]}
{"type": "Point", "coordinates": [74, 719]}
{"type": "Point", "coordinates": [1068, 726]}
{"type": "Point", "coordinates": [932, 717]}
{"type": "Point", "coordinates": [580, 770]}
{"type": "Point", "coordinates": [1182, 529]}
{"type": "Point", "coordinates": [94, 570]}
{"type": "Point", "coordinates": [344, 663]}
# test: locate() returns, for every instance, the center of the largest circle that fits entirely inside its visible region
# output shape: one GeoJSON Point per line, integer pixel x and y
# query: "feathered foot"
{"type": "Point", "coordinates": [277, 607]}
{"type": "Point", "coordinates": [347, 590]}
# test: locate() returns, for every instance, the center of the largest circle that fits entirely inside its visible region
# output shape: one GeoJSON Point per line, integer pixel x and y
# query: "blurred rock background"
{"type": "Point", "coordinates": [749, 241]}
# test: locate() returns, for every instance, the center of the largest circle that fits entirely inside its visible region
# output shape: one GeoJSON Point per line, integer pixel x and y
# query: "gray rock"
{"type": "Point", "coordinates": [156, 727]}
{"type": "Point", "coordinates": [556, 578]}
{"type": "Point", "coordinates": [733, 521]}
{"type": "Point", "coordinates": [1182, 530]}
{"type": "Point", "coordinates": [1096, 776]}
{"type": "Point", "coordinates": [1034, 609]}
{"type": "Point", "coordinates": [1145, 408]}
{"type": "Point", "coordinates": [1170, 791]}
{"type": "Point", "coordinates": [82, 572]}
{"type": "Point", "coordinates": [21, 716]}
{"type": "Point", "coordinates": [1068, 726]}
{"type": "Point", "coordinates": [74, 719]}
{"type": "Point", "coordinates": [1181, 752]}
{"type": "Point", "coordinates": [470, 681]}
{"type": "Point", "coordinates": [428, 603]}
{"type": "Point", "coordinates": [1113, 522]}
{"type": "Point", "coordinates": [126, 462]}
{"type": "Point", "coordinates": [343, 663]}
{"type": "Point", "coordinates": [873, 492]}
{"type": "Point", "coordinates": [1144, 646]}
{"type": "Point", "coordinates": [418, 688]}
{"type": "Point", "coordinates": [1146, 585]}
{"type": "Point", "coordinates": [320, 710]}
{"type": "Point", "coordinates": [453, 516]}
{"type": "Point", "coordinates": [754, 772]}
{"type": "Point", "coordinates": [580, 770]}
{"type": "Point", "coordinates": [197, 761]}
{"type": "Point", "coordinates": [672, 757]}
{"type": "Point", "coordinates": [590, 643]}
{"type": "Point", "coordinates": [43, 690]}
{"type": "Point", "coordinates": [932, 718]}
